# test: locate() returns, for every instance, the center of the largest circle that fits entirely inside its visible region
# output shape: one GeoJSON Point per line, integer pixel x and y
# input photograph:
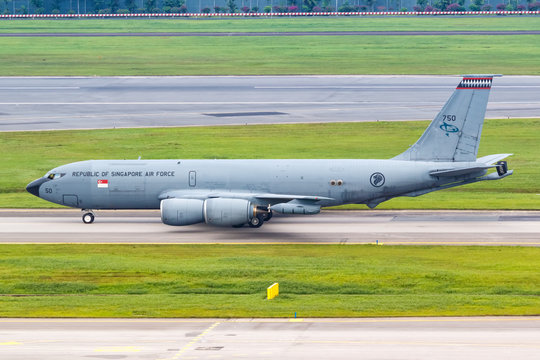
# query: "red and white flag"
{"type": "Point", "coordinates": [103, 183]}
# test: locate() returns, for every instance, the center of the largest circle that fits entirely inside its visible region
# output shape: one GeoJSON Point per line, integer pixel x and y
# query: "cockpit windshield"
{"type": "Point", "coordinates": [54, 176]}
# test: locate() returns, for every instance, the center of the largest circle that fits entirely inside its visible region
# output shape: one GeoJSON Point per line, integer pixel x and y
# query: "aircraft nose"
{"type": "Point", "coordinates": [33, 187]}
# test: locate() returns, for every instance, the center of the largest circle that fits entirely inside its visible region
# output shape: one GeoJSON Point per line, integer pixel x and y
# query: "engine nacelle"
{"type": "Point", "coordinates": [180, 212]}
{"type": "Point", "coordinates": [227, 212]}
{"type": "Point", "coordinates": [216, 211]}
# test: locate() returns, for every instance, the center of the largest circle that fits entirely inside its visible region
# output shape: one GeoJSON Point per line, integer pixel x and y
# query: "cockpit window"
{"type": "Point", "coordinates": [53, 176]}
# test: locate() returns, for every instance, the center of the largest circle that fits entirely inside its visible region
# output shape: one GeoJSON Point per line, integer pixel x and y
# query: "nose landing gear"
{"type": "Point", "coordinates": [88, 217]}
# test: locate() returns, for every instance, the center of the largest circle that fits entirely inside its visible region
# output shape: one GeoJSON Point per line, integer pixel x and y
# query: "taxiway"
{"type": "Point", "coordinates": [489, 338]}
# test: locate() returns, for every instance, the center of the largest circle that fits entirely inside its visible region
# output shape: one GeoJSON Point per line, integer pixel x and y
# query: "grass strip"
{"type": "Point", "coordinates": [231, 280]}
{"type": "Point", "coordinates": [29, 155]}
{"type": "Point", "coordinates": [274, 24]}
{"type": "Point", "coordinates": [335, 55]}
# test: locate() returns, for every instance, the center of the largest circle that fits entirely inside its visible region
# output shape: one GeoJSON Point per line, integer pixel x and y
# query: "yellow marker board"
{"type": "Point", "coordinates": [272, 291]}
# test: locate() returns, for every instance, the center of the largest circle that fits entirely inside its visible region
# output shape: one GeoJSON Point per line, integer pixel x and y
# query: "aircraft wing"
{"type": "Point", "coordinates": [281, 197]}
{"type": "Point", "coordinates": [263, 198]}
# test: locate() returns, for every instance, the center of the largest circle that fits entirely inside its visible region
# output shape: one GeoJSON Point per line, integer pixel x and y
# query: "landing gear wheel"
{"type": "Point", "coordinates": [256, 221]}
{"type": "Point", "coordinates": [88, 218]}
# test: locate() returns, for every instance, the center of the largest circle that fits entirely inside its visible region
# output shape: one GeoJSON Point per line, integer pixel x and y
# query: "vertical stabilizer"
{"type": "Point", "coordinates": [454, 134]}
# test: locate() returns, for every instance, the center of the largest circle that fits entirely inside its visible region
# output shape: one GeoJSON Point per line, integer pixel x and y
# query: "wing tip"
{"type": "Point", "coordinates": [490, 159]}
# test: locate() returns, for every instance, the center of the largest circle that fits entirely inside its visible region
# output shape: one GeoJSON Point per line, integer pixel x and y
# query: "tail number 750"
{"type": "Point", "coordinates": [449, 117]}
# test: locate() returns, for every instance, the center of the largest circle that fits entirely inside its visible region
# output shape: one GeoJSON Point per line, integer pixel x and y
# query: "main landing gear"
{"type": "Point", "coordinates": [262, 214]}
{"type": "Point", "coordinates": [88, 216]}
{"type": "Point", "coordinates": [256, 221]}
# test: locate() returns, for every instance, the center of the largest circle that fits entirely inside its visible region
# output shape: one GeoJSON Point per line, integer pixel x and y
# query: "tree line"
{"type": "Point", "coordinates": [257, 6]}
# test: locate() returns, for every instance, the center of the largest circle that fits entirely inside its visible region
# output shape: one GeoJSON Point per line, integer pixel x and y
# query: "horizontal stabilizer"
{"type": "Point", "coordinates": [489, 161]}
{"type": "Point", "coordinates": [460, 171]}
{"type": "Point", "coordinates": [492, 159]}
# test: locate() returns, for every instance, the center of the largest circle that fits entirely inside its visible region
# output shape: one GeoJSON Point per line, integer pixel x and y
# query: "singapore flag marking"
{"type": "Point", "coordinates": [103, 183]}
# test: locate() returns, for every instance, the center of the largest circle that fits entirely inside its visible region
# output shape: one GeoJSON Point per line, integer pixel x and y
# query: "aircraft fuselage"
{"type": "Point", "coordinates": [142, 184]}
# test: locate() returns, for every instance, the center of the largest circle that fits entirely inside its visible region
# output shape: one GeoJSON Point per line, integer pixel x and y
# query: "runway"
{"type": "Point", "coordinates": [54, 103]}
{"type": "Point", "coordinates": [515, 228]}
{"type": "Point", "coordinates": [490, 338]}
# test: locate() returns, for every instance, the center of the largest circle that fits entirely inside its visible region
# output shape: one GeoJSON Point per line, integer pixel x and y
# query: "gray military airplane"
{"type": "Point", "coordinates": [239, 192]}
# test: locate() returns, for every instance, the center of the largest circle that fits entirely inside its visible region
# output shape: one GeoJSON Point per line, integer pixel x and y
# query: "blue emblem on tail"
{"type": "Point", "coordinates": [448, 128]}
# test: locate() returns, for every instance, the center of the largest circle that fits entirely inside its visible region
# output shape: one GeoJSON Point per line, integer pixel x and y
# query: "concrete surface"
{"type": "Point", "coordinates": [386, 338]}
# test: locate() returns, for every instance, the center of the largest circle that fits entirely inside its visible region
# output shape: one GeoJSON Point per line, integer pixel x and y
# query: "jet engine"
{"type": "Point", "coordinates": [182, 212]}
{"type": "Point", "coordinates": [227, 212]}
{"type": "Point", "coordinates": [214, 211]}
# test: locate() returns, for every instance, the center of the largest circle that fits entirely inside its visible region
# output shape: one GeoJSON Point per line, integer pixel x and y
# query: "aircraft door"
{"type": "Point", "coordinates": [192, 178]}
{"type": "Point", "coordinates": [70, 200]}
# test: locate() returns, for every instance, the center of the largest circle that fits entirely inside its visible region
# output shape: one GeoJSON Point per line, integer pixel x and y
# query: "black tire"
{"type": "Point", "coordinates": [88, 218]}
{"type": "Point", "coordinates": [256, 221]}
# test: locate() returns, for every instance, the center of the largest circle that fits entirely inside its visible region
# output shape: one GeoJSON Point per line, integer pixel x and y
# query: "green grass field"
{"type": "Point", "coordinates": [231, 280]}
{"type": "Point", "coordinates": [29, 155]}
{"type": "Point", "coordinates": [278, 24]}
{"type": "Point", "coordinates": [270, 55]}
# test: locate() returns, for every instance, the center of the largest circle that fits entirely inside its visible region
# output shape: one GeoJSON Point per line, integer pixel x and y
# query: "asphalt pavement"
{"type": "Point", "coordinates": [54, 103]}
{"type": "Point", "coordinates": [381, 227]}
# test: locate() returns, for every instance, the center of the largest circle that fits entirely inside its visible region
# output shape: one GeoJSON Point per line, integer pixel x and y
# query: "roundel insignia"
{"type": "Point", "coordinates": [377, 179]}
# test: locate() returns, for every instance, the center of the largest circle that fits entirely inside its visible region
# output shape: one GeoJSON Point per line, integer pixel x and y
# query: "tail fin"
{"type": "Point", "coordinates": [454, 134]}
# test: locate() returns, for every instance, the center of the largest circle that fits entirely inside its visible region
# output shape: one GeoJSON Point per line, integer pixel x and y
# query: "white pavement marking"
{"type": "Point", "coordinates": [196, 339]}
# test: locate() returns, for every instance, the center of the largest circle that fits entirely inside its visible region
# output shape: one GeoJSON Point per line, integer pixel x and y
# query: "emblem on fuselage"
{"type": "Point", "coordinates": [377, 179]}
